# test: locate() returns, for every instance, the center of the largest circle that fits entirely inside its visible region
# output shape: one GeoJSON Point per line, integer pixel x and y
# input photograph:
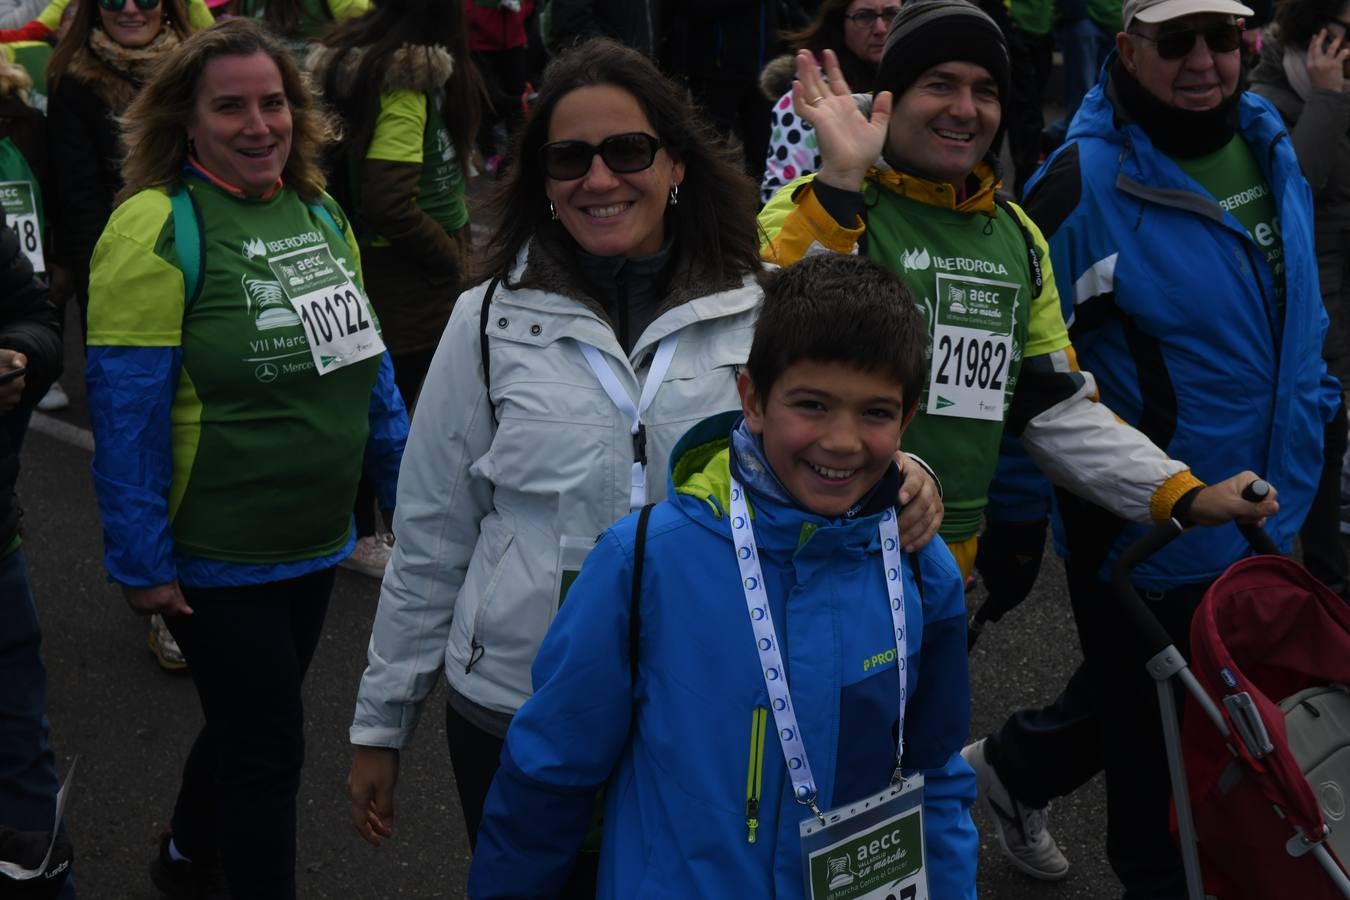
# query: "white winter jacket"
{"type": "Point", "coordinates": [485, 507]}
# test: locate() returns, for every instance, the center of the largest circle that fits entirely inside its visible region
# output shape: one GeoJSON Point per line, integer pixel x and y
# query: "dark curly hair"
{"type": "Point", "coordinates": [839, 308]}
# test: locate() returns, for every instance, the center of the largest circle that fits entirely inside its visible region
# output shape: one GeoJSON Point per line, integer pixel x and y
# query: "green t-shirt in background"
{"type": "Point", "coordinates": [1232, 175]}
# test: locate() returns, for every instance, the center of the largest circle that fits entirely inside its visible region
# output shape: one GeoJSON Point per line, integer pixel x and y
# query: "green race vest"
{"type": "Point", "coordinates": [21, 198]}
{"type": "Point", "coordinates": [978, 267]}
{"type": "Point", "coordinates": [440, 192]}
{"type": "Point", "coordinates": [267, 453]}
{"type": "Point", "coordinates": [1234, 178]}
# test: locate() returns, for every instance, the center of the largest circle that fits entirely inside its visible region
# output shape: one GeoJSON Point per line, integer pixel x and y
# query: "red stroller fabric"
{"type": "Point", "coordinates": [1277, 630]}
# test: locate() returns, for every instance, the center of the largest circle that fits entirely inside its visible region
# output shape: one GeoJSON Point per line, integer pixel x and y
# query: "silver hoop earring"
{"type": "Point", "coordinates": [674, 195]}
{"type": "Point", "coordinates": [552, 211]}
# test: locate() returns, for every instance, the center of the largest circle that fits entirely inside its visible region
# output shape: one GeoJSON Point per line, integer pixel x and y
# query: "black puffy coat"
{"type": "Point", "coordinates": [29, 323]}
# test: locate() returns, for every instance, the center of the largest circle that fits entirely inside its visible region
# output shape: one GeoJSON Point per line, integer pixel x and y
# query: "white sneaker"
{"type": "Point", "coordinates": [54, 399]}
{"type": "Point", "coordinates": [370, 555]}
{"type": "Point", "coordinates": [1021, 829]}
{"type": "Point", "coordinates": [164, 647]}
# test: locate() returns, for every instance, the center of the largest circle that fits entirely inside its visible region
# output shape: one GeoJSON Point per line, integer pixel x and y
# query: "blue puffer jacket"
{"type": "Point", "coordinates": [674, 748]}
{"type": "Point", "coordinates": [1173, 314]}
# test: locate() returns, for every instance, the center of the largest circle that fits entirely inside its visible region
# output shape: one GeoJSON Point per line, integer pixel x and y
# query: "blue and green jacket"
{"type": "Point", "coordinates": [222, 457]}
{"type": "Point", "coordinates": [697, 798]}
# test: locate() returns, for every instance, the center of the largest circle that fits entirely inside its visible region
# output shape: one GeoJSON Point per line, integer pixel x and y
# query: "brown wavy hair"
{"type": "Point", "coordinates": [154, 129]}
{"type": "Point", "coordinates": [86, 19]}
{"type": "Point", "coordinates": [715, 219]}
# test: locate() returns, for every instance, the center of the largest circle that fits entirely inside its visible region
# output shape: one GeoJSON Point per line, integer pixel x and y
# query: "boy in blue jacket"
{"type": "Point", "coordinates": [772, 694]}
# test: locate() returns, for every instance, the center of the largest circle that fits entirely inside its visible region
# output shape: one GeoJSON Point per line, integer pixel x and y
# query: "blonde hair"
{"type": "Point", "coordinates": [14, 80]}
{"type": "Point", "coordinates": [154, 128]}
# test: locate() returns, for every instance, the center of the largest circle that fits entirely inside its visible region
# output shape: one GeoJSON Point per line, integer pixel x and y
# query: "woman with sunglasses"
{"type": "Point", "coordinates": [94, 73]}
{"type": "Point", "coordinates": [408, 95]}
{"type": "Point", "coordinates": [856, 31]}
{"type": "Point", "coordinates": [1304, 70]}
{"type": "Point", "coordinates": [237, 388]}
{"type": "Point", "coordinates": [618, 299]}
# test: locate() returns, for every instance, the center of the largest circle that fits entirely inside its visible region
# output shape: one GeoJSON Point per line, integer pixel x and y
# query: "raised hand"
{"type": "Point", "coordinates": [849, 141]}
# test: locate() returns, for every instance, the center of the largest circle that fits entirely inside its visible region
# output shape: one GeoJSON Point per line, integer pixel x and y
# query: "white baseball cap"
{"type": "Point", "coordinates": [1154, 11]}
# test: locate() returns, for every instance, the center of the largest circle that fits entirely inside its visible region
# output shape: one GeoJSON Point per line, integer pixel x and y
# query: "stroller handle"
{"type": "Point", "coordinates": [1138, 617]}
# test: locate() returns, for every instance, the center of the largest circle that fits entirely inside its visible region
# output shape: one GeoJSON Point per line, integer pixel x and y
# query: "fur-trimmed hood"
{"type": "Point", "coordinates": [776, 78]}
{"type": "Point", "coordinates": [115, 73]}
{"type": "Point", "coordinates": [410, 68]}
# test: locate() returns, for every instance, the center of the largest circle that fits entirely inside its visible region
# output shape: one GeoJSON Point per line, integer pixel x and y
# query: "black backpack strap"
{"type": "Point", "coordinates": [635, 595]}
{"type": "Point", "coordinates": [918, 573]}
{"type": "Point", "coordinates": [1033, 258]}
{"type": "Point", "coordinates": [483, 352]}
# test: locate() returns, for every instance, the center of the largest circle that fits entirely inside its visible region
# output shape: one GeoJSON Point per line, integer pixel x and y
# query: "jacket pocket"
{"type": "Point", "coordinates": [754, 774]}
{"type": "Point", "coordinates": [485, 599]}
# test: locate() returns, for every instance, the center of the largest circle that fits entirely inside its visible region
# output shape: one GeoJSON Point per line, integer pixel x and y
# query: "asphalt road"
{"type": "Point", "coordinates": [131, 724]}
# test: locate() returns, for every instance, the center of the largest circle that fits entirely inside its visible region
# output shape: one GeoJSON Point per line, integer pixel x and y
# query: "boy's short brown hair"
{"type": "Point", "coordinates": [836, 307]}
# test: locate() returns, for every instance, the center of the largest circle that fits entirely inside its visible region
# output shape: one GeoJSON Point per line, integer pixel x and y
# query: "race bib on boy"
{"type": "Point", "coordinates": [21, 209]}
{"type": "Point", "coordinates": [335, 315]}
{"type": "Point", "coordinates": [869, 850]}
{"type": "Point", "coordinates": [972, 347]}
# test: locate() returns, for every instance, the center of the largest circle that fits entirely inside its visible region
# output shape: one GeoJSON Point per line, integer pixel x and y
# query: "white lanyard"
{"type": "Point", "coordinates": [766, 640]}
{"type": "Point", "coordinates": [656, 373]}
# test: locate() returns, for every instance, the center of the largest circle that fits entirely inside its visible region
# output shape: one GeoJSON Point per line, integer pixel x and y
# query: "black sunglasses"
{"type": "Point", "coordinates": [119, 5]}
{"type": "Point", "coordinates": [866, 18]}
{"type": "Point", "coordinates": [622, 153]}
{"type": "Point", "coordinates": [1220, 38]}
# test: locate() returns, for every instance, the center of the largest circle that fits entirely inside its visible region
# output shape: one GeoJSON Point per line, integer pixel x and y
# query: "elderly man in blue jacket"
{"type": "Point", "coordinates": [1177, 212]}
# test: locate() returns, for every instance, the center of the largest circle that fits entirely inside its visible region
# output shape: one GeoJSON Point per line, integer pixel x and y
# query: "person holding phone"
{"type": "Point", "coordinates": [1305, 71]}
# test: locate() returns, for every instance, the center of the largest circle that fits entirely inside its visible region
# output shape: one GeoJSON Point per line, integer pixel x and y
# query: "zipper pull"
{"type": "Point", "coordinates": [751, 820]}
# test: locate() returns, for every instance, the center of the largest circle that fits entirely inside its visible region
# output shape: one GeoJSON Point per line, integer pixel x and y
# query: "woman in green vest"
{"type": "Point", "coordinates": [237, 386]}
{"type": "Point", "coordinates": [408, 94]}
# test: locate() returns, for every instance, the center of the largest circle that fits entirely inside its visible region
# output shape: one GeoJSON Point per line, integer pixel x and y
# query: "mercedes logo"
{"type": "Point", "coordinates": [266, 373]}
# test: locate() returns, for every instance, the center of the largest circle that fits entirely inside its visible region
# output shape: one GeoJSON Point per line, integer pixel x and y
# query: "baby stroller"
{"type": "Point", "coordinates": [1266, 704]}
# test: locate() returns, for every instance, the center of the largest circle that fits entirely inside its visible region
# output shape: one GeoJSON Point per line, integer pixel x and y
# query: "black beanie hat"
{"type": "Point", "coordinates": [928, 32]}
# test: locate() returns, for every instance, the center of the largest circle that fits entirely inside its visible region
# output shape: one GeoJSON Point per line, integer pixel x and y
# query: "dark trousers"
{"type": "Point", "coordinates": [1031, 58]}
{"type": "Point", "coordinates": [28, 781]}
{"type": "Point", "coordinates": [248, 649]}
{"type": "Point", "coordinates": [1107, 719]}
{"type": "Point", "coordinates": [1321, 532]}
{"type": "Point", "coordinates": [475, 756]}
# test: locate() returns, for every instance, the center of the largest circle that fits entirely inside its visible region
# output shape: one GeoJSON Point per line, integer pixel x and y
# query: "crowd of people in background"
{"type": "Point", "coordinates": [745, 294]}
